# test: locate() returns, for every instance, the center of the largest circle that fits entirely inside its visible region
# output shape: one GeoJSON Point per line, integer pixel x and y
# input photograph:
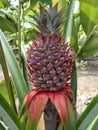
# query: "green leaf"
{"type": "Point", "coordinates": [7, 25]}
{"type": "Point", "coordinates": [75, 27]}
{"type": "Point", "coordinates": [2, 126]}
{"type": "Point", "coordinates": [71, 114]}
{"type": "Point", "coordinates": [60, 127]}
{"type": "Point", "coordinates": [94, 124]}
{"type": "Point", "coordinates": [23, 110]}
{"type": "Point", "coordinates": [74, 37]}
{"type": "Point", "coordinates": [91, 47]}
{"type": "Point", "coordinates": [88, 115]}
{"type": "Point", "coordinates": [47, 2]}
{"type": "Point", "coordinates": [88, 14]}
{"type": "Point", "coordinates": [8, 116]}
{"type": "Point", "coordinates": [4, 3]}
{"type": "Point", "coordinates": [17, 76]}
{"type": "Point", "coordinates": [7, 78]}
{"type": "Point", "coordinates": [68, 24]}
{"type": "Point", "coordinates": [74, 81]}
{"type": "Point", "coordinates": [30, 125]}
{"type": "Point", "coordinates": [24, 58]}
{"type": "Point", "coordinates": [33, 3]}
{"type": "Point", "coordinates": [61, 3]}
{"type": "Point", "coordinates": [3, 91]}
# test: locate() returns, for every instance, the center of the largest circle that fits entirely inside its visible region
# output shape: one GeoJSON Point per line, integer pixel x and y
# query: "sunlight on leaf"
{"type": "Point", "coordinates": [89, 14]}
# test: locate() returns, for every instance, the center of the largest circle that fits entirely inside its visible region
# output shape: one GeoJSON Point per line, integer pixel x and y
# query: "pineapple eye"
{"type": "Point", "coordinates": [32, 62]}
{"type": "Point", "coordinates": [71, 53]}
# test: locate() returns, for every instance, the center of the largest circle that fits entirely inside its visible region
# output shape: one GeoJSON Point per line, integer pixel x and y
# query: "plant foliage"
{"type": "Point", "coordinates": [80, 30]}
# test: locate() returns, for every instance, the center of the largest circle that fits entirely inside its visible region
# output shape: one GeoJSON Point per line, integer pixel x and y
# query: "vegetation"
{"type": "Point", "coordinates": [17, 29]}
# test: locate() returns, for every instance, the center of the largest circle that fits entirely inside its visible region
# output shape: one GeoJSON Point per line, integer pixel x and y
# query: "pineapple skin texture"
{"type": "Point", "coordinates": [50, 63]}
{"type": "Point", "coordinates": [49, 59]}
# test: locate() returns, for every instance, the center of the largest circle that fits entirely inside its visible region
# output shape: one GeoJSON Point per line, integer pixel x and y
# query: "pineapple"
{"type": "Point", "coordinates": [49, 59]}
{"type": "Point", "coordinates": [50, 70]}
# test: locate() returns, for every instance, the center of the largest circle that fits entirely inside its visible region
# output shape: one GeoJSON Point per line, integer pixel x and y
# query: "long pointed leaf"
{"type": "Point", "coordinates": [88, 115]}
{"type": "Point", "coordinates": [30, 96]}
{"type": "Point", "coordinates": [61, 107]}
{"type": "Point", "coordinates": [88, 14]}
{"type": "Point", "coordinates": [9, 116]}
{"type": "Point", "coordinates": [74, 81]}
{"type": "Point", "coordinates": [71, 113]}
{"type": "Point", "coordinates": [60, 127]}
{"type": "Point", "coordinates": [94, 124]}
{"type": "Point", "coordinates": [17, 76]}
{"type": "Point", "coordinates": [68, 25]}
{"type": "Point", "coordinates": [91, 47]}
{"type": "Point", "coordinates": [7, 79]}
{"type": "Point", "coordinates": [30, 125]}
{"type": "Point", "coordinates": [36, 109]}
{"type": "Point", "coordinates": [7, 25]}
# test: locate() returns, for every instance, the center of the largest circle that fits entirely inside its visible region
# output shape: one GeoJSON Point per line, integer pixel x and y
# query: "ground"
{"type": "Point", "coordinates": [87, 87]}
{"type": "Point", "coordinates": [87, 84]}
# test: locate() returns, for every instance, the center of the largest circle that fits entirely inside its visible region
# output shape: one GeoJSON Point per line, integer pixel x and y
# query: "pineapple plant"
{"type": "Point", "coordinates": [50, 70]}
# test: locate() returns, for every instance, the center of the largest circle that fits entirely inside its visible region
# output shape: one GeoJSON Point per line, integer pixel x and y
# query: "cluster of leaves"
{"type": "Point", "coordinates": [80, 29]}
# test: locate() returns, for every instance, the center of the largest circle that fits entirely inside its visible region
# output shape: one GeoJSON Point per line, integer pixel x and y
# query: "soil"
{"type": "Point", "coordinates": [87, 84]}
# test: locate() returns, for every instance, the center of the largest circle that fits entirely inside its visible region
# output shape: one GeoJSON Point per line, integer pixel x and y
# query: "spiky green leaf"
{"type": "Point", "coordinates": [16, 73]}
{"type": "Point", "coordinates": [68, 24]}
{"type": "Point", "coordinates": [94, 124]}
{"type": "Point", "coordinates": [9, 116]}
{"type": "Point", "coordinates": [88, 115]}
{"type": "Point", "coordinates": [71, 114]}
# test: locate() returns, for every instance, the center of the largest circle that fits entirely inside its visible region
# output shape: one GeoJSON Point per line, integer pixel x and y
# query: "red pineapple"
{"type": "Point", "coordinates": [50, 68]}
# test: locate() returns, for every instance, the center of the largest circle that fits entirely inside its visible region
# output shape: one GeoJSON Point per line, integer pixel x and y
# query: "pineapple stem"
{"type": "Point", "coordinates": [50, 117]}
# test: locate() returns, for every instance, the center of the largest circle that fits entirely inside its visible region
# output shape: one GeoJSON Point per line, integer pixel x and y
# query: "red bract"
{"type": "Point", "coordinates": [37, 100]}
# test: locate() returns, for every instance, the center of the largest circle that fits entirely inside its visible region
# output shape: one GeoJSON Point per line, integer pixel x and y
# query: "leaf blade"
{"type": "Point", "coordinates": [7, 25]}
{"type": "Point", "coordinates": [88, 14]}
{"type": "Point", "coordinates": [68, 24]}
{"type": "Point", "coordinates": [35, 111]}
{"type": "Point", "coordinates": [17, 76]}
{"type": "Point", "coordinates": [9, 116]}
{"type": "Point", "coordinates": [60, 104]}
{"type": "Point", "coordinates": [88, 115]}
{"type": "Point", "coordinates": [91, 47]}
{"type": "Point", "coordinates": [94, 124]}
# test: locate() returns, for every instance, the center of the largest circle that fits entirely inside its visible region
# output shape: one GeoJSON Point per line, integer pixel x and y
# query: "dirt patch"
{"type": "Point", "coordinates": [87, 86]}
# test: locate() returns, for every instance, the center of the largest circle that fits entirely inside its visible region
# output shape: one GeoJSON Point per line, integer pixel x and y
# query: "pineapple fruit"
{"type": "Point", "coordinates": [50, 71]}
{"type": "Point", "coordinates": [49, 59]}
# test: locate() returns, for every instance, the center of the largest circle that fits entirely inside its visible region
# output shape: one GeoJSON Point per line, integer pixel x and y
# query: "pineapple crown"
{"type": "Point", "coordinates": [49, 21]}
